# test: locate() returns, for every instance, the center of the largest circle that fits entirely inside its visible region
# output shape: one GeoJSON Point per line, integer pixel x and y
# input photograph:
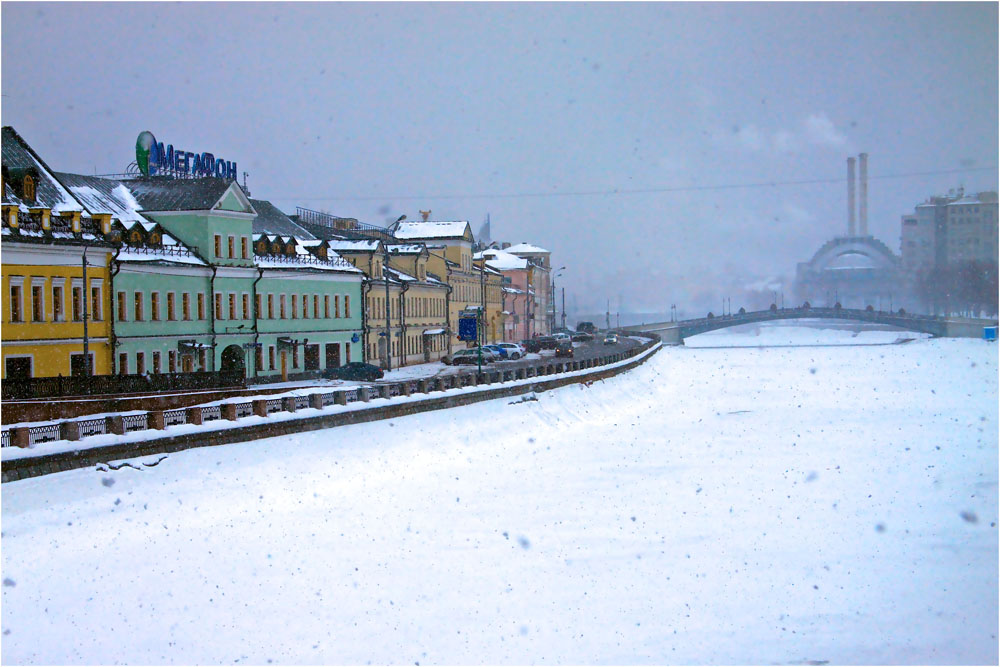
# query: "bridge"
{"type": "Point", "coordinates": [945, 327]}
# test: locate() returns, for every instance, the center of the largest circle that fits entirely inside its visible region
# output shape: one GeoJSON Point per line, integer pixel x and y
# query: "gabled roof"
{"type": "Point", "coordinates": [270, 220]}
{"type": "Point", "coordinates": [525, 248]}
{"type": "Point", "coordinates": [453, 229]}
{"type": "Point", "coordinates": [407, 249]}
{"type": "Point", "coordinates": [49, 193]}
{"type": "Point", "coordinates": [502, 260]}
{"type": "Point", "coordinates": [180, 194]}
{"type": "Point", "coordinates": [103, 195]}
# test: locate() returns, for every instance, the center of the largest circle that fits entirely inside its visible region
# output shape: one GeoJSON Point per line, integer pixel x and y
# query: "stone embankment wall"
{"type": "Point", "coordinates": [548, 375]}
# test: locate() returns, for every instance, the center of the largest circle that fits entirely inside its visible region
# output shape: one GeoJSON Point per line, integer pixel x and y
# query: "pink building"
{"type": "Point", "coordinates": [519, 307]}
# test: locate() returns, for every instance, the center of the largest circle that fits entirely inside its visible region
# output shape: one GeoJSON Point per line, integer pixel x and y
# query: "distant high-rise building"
{"type": "Point", "coordinates": [950, 229]}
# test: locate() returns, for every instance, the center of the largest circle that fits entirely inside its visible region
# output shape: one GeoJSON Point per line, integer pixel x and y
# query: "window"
{"type": "Point", "coordinates": [37, 300]}
{"type": "Point", "coordinates": [154, 307]}
{"type": "Point", "coordinates": [305, 306]}
{"type": "Point", "coordinates": [96, 302]}
{"type": "Point", "coordinates": [16, 302]}
{"type": "Point", "coordinates": [259, 307]}
{"type": "Point", "coordinates": [218, 245]}
{"type": "Point", "coordinates": [316, 306]}
{"type": "Point", "coordinates": [281, 305]}
{"type": "Point", "coordinates": [186, 305]}
{"type": "Point", "coordinates": [201, 306]}
{"type": "Point", "coordinates": [122, 307]}
{"type": "Point", "coordinates": [171, 307]}
{"type": "Point", "coordinates": [29, 188]}
{"type": "Point", "coordinates": [156, 362]}
{"type": "Point", "coordinates": [347, 305]}
{"type": "Point", "coordinates": [203, 359]}
{"type": "Point", "coordinates": [232, 306]}
{"type": "Point", "coordinates": [295, 306]}
{"type": "Point", "coordinates": [58, 300]}
{"type": "Point", "coordinates": [270, 357]}
{"type": "Point", "coordinates": [172, 361]}
{"type": "Point", "coordinates": [245, 247]}
{"type": "Point", "coordinates": [295, 357]}
{"type": "Point", "coordinates": [232, 247]}
{"type": "Point", "coordinates": [218, 306]}
{"type": "Point", "coordinates": [246, 307]}
{"type": "Point", "coordinates": [336, 305]}
{"type": "Point", "coordinates": [326, 306]}
{"type": "Point", "coordinates": [122, 360]}
{"type": "Point", "coordinates": [140, 363]}
{"type": "Point", "coordinates": [137, 307]}
{"type": "Point", "coordinates": [77, 297]}
{"type": "Point", "coordinates": [259, 358]}
{"type": "Point", "coordinates": [270, 309]}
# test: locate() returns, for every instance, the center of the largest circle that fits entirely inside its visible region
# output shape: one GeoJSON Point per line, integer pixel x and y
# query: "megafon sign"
{"type": "Point", "coordinates": [154, 159]}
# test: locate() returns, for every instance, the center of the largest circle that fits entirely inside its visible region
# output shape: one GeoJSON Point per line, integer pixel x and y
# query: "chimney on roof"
{"type": "Point", "coordinates": [863, 194]}
{"type": "Point", "coordinates": [504, 245]}
{"type": "Point", "coordinates": [850, 197]}
{"type": "Point", "coordinates": [425, 215]}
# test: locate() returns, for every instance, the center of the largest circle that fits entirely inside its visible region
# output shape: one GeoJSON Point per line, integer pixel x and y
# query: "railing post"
{"type": "Point", "coordinates": [155, 420]}
{"type": "Point", "coordinates": [115, 424]}
{"type": "Point", "coordinates": [260, 407]}
{"type": "Point", "coordinates": [20, 437]}
{"type": "Point", "coordinates": [316, 401]}
{"type": "Point", "coordinates": [69, 430]}
{"type": "Point", "coordinates": [288, 404]}
{"type": "Point", "coordinates": [193, 415]}
{"type": "Point", "coordinates": [404, 389]}
{"type": "Point", "coordinates": [340, 398]}
{"type": "Point", "coordinates": [228, 411]}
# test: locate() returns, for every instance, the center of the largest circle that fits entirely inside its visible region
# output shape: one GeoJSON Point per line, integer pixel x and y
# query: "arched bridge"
{"type": "Point", "coordinates": [953, 327]}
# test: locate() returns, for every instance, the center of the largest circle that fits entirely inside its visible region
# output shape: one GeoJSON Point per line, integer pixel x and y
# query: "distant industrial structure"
{"type": "Point", "coordinates": [855, 270]}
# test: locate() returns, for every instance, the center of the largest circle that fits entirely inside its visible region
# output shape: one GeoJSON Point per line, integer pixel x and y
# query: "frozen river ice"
{"type": "Point", "coordinates": [824, 499]}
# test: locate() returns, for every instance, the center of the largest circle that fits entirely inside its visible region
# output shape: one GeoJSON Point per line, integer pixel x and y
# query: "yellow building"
{"type": "Point", "coordinates": [424, 296]}
{"type": "Point", "coordinates": [450, 245]}
{"type": "Point", "coordinates": [52, 310]}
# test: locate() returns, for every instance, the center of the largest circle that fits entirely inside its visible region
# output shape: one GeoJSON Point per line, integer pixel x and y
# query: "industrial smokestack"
{"type": "Point", "coordinates": [863, 194]}
{"type": "Point", "coordinates": [850, 197]}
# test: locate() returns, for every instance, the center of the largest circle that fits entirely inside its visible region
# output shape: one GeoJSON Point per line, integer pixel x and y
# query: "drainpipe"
{"type": "Point", "coordinates": [211, 309]}
{"type": "Point", "coordinates": [366, 287]}
{"type": "Point", "coordinates": [256, 316]}
{"type": "Point", "coordinates": [116, 267]}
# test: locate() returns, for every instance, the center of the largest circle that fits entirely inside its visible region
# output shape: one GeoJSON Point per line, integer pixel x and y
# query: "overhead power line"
{"type": "Point", "coordinates": [636, 191]}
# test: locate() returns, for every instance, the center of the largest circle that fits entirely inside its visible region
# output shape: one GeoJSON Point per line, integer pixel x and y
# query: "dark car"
{"type": "Point", "coordinates": [547, 342]}
{"type": "Point", "coordinates": [531, 345]}
{"type": "Point", "coordinates": [582, 337]}
{"type": "Point", "coordinates": [564, 348]}
{"type": "Point", "coordinates": [586, 327]}
{"type": "Point", "coordinates": [356, 370]}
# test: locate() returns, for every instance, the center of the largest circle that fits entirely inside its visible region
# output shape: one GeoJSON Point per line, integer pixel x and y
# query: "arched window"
{"type": "Point", "coordinates": [154, 238]}
{"type": "Point", "coordinates": [135, 237]}
{"type": "Point", "coordinates": [262, 248]}
{"type": "Point", "coordinates": [29, 187]}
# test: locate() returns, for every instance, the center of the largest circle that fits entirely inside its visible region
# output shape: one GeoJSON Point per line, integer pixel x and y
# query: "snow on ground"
{"type": "Point", "coordinates": [713, 506]}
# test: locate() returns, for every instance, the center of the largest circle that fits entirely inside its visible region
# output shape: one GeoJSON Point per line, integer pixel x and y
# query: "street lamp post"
{"type": "Point", "coordinates": [552, 298]}
{"type": "Point", "coordinates": [385, 278]}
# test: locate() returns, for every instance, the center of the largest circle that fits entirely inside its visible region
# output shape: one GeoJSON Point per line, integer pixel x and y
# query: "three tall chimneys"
{"type": "Point", "coordinates": [862, 228]}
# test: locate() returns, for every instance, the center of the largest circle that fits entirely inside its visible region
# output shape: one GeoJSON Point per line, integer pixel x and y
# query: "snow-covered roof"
{"type": "Point", "coordinates": [502, 260]}
{"type": "Point", "coordinates": [428, 229]}
{"type": "Point", "coordinates": [104, 196]}
{"type": "Point", "coordinates": [166, 254]}
{"type": "Point", "coordinates": [407, 248]}
{"type": "Point", "coordinates": [49, 192]}
{"type": "Point", "coordinates": [525, 248]}
{"type": "Point", "coordinates": [353, 245]}
{"type": "Point", "coordinates": [270, 220]}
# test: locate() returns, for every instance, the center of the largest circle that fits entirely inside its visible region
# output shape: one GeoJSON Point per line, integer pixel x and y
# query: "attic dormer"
{"type": "Point", "coordinates": [24, 182]}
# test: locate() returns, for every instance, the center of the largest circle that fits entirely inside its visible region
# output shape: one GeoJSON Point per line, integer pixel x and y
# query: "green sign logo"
{"type": "Point", "coordinates": [143, 145]}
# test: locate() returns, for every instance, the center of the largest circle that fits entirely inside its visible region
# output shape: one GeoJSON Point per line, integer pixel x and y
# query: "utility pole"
{"type": "Point", "coordinates": [563, 307]}
{"type": "Point", "coordinates": [607, 316]}
{"type": "Point", "coordinates": [385, 277]}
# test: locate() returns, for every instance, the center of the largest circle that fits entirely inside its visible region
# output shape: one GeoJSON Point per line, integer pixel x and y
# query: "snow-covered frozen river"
{"type": "Point", "coordinates": [824, 499]}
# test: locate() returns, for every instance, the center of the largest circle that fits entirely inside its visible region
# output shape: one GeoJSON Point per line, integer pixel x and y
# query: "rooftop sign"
{"type": "Point", "coordinates": [153, 159]}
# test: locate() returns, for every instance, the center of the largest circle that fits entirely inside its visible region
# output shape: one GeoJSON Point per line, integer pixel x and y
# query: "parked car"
{"type": "Point", "coordinates": [471, 356]}
{"type": "Point", "coordinates": [514, 351]}
{"type": "Point", "coordinates": [564, 348]}
{"type": "Point", "coordinates": [582, 337]}
{"type": "Point", "coordinates": [497, 350]}
{"type": "Point", "coordinates": [356, 370]}
{"type": "Point", "coordinates": [611, 339]}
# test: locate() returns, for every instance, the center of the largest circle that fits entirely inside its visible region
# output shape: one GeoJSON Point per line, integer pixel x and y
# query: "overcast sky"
{"type": "Point", "coordinates": [373, 110]}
